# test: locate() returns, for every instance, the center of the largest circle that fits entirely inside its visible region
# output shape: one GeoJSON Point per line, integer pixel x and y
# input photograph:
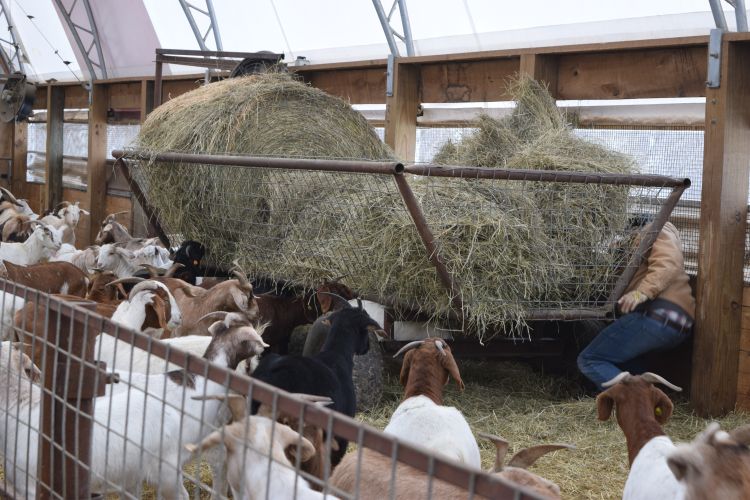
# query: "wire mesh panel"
{"type": "Point", "coordinates": [174, 424]}
{"type": "Point", "coordinates": [505, 248]}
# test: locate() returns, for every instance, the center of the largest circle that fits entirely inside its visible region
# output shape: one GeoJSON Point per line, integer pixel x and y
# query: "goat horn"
{"type": "Point", "coordinates": [439, 345]}
{"type": "Point", "coordinates": [10, 196]}
{"type": "Point", "coordinates": [501, 449]}
{"type": "Point", "coordinates": [152, 270]}
{"type": "Point", "coordinates": [173, 269]}
{"type": "Point", "coordinates": [223, 315]}
{"type": "Point", "coordinates": [410, 345]}
{"type": "Point", "coordinates": [128, 279]}
{"type": "Point", "coordinates": [313, 398]}
{"type": "Point", "coordinates": [526, 457]}
{"type": "Point", "coordinates": [617, 379]}
{"type": "Point", "coordinates": [236, 402]}
{"type": "Point", "coordinates": [340, 298]}
{"type": "Point", "coordinates": [658, 379]}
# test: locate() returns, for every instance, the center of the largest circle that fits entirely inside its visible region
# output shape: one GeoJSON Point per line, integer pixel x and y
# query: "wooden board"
{"type": "Point", "coordinates": [360, 86]}
{"type": "Point", "coordinates": [125, 95]}
{"type": "Point", "coordinates": [475, 81]}
{"type": "Point", "coordinates": [401, 113]}
{"type": "Point", "coordinates": [720, 291]}
{"type": "Point", "coordinates": [171, 89]}
{"type": "Point", "coordinates": [76, 97]}
{"type": "Point", "coordinates": [6, 153]}
{"type": "Point", "coordinates": [633, 74]}
{"type": "Point", "coordinates": [97, 158]}
{"type": "Point", "coordinates": [20, 147]}
{"type": "Point", "coordinates": [54, 157]}
{"type": "Point", "coordinates": [541, 67]}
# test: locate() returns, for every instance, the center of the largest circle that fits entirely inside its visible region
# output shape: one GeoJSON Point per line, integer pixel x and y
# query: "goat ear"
{"type": "Point", "coordinates": [741, 435]}
{"type": "Point", "coordinates": [289, 440]}
{"type": "Point", "coordinates": [684, 462]}
{"type": "Point", "coordinates": [449, 363]}
{"type": "Point", "coordinates": [604, 405]}
{"type": "Point", "coordinates": [217, 328]}
{"type": "Point", "coordinates": [160, 309]}
{"type": "Point", "coordinates": [325, 300]}
{"type": "Point", "coordinates": [405, 366]}
{"type": "Point", "coordinates": [663, 407]}
{"type": "Point", "coordinates": [124, 252]}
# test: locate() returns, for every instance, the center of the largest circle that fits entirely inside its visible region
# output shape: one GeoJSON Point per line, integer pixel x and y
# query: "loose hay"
{"type": "Point", "coordinates": [511, 246]}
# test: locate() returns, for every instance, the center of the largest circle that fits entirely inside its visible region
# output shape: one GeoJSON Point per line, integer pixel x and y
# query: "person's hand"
{"type": "Point", "coordinates": [631, 300]}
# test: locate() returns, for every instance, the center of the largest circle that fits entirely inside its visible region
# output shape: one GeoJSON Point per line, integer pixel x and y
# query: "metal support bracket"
{"type": "Point", "coordinates": [213, 25]}
{"type": "Point", "coordinates": [390, 33]}
{"type": "Point", "coordinates": [12, 59]}
{"type": "Point", "coordinates": [94, 60]}
{"type": "Point", "coordinates": [389, 75]}
{"type": "Point", "coordinates": [714, 59]}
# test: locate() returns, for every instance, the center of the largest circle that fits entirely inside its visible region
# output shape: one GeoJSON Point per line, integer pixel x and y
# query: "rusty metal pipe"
{"type": "Point", "coordinates": [545, 176]}
{"type": "Point", "coordinates": [356, 167]}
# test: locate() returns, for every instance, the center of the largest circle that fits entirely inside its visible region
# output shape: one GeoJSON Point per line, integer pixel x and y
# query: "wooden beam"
{"type": "Point", "coordinates": [147, 98]}
{"type": "Point", "coordinates": [401, 112]}
{"type": "Point", "coordinates": [6, 153]}
{"type": "Point", "coordinates": [629, 74]}
{"type": "Point", "coordinates": [54, 154]}
{"type": "Point", "coordinates": [543, 68]}
{"type": "Point", "coordinates": [356, 86]}
{"type": "Point", "coordinates": [20, 151]}
{"type": "Point", "coordinates": [97, 157]}
{"type": "Point", "coordinates": [475, 81]}
{"type": "Point", "coordinates": [719, 294]}
{"type": "Point", "coordinates": [139, 222]}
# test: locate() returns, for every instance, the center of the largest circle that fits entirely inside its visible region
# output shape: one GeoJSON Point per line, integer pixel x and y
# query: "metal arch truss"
{"type": "Point", "coordinates": [213, 26]}
{"type": "Point", "coordinates": [94, 59]}
{"type": "Point", "coordinates": [390, 33]}
{"type": "Point", "coordinates": [740, 13]}
{"type": "Point", "coordinates": [11, 50]}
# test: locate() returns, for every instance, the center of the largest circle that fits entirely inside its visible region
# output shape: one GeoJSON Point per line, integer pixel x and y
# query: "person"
{"type": "Point", "coordinates": [657, 311]}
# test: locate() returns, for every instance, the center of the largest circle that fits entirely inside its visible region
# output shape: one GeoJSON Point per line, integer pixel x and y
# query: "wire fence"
{"type": "Point", "coordinates": [70, 428]}
{"type": "Point", "coordinates": [497, 245]}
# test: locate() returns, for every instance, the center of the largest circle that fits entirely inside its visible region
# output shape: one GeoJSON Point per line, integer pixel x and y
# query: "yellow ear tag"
{"type": "Point", "coordinates": [196, 262]}
{"type": "Point", "coordinates": [658, 411]}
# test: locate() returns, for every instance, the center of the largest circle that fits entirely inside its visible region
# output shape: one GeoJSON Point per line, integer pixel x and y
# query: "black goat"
{"type": "Point", "coordinates": [328, 373]}
{"type": "Point", "coordinates": [190, 254]}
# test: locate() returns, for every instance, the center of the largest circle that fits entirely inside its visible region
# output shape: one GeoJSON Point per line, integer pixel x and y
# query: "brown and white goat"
{"type": "Point", "coordinates": [642, 409]}
{"type": "Point", "coordinates": [17, 228]}
{"type": "Point", "coordinates": [715, 465]}
{"type": "Point", "coordinates": [113, 232]}
{"type": "Point", "coordinates": [49, 277]}
{"type": "Point", "coordinates": [235, 295]}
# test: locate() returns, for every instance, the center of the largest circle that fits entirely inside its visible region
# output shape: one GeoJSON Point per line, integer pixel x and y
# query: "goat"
{"type": "Point", "coordinates": [65, 215]}
{"type": "Point", "coordinates": [284, 313]}
{"type": "Point", "coordinates": [103, 289]}
{"type": "Point", "coordinates": [42, 243]}
{"type": "Point", "coordinates": [16, 229]}
{"type": "Point", "coordinates": [253, 474]}
{"type": "Point", "coordinates": [328, 373]}
{"type": "Point", "coordinates": [421, 417]}
{"type": "Point", "coordinates": [162, 421]}
{"type": "Point", "coordinates": [641, 411]}
{"type": "Point", "coordinates": [715, 465]}
{"type": "Point", "coordinates": [124, 262]}
{"type": "Point", "coordinates": [49, 277]}
{"type": "Point", "coordinates": [234, 295]}
{"type": "Point", "coordinates": [85, 259]}
{"type": "Point", "coordinates": [189, 254]}
{"type": "Point", "coordinates": [113, 232]}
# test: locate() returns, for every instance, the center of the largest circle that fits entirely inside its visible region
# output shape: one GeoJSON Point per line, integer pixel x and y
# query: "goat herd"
{"type": "Point", "coordinates": [148, 426]}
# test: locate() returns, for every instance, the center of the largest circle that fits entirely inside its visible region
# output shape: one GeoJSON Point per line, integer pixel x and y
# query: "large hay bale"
{"type": "Point", "coordinates": [509, 248]}
{"type": "Point", "coordinates": [269, 114]}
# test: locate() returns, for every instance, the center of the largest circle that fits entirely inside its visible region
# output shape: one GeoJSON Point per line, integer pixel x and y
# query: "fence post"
{"type": "Point", "coordinates": [71, 382]}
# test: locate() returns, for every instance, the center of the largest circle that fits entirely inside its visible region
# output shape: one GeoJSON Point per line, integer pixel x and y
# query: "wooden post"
{"type": "Point", "coordinates": [6, 152]}
{"type": "Point", "coordinates": [139, 225]}
{"type": "Point", "coordinates": [20, 151]}
{"type": "Point", "coordinates": [726, 164]}
{"type": "Point", "coordinates": [54, 156]}
{"type": "Point", "coordinates": [97, 167]}
{"type": "Point", "coordinates": [541, 67]}
{"type": "Point", "coordinates": [401, 112]}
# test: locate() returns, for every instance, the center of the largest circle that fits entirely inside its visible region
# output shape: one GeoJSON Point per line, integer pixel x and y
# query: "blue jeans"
{"type": "Point", "coordinates": [621, 342]}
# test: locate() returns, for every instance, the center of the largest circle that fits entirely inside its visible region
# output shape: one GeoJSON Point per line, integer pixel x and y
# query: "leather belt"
{"type": "Point", "coordinates": [682, 327]}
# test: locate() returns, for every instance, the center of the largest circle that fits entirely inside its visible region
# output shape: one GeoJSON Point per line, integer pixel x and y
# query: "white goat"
{"type": "Point", "coordinates": [251, 453]}
{"type": "Point", "coordinates": [421, 419]}
{"type": "Point", "coordinates": [124, 262]}
{"type": "Point", "coordinates": [43, 242]}
{"type": "Point", "coordinates": [85, 259]}
{"type": "Point", "coordinates": [155, 415]}
{"type": "Point", "coordinates": [66, 216]}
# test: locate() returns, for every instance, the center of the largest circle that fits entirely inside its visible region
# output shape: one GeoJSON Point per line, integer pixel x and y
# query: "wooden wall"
{"type": "Point", "coordinates": [743, 377]}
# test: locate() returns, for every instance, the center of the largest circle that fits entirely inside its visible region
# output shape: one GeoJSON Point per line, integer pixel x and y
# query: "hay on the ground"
{"type": "Point", "coordinates": [509, 245]}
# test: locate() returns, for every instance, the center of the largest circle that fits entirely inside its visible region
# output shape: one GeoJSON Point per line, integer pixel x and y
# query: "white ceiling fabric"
{"type": "Point", "coordinates": [342, 30]}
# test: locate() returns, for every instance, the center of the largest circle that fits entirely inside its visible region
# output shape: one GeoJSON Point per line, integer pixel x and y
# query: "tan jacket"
{"type": "Point", "coordinates": [662, 273]}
